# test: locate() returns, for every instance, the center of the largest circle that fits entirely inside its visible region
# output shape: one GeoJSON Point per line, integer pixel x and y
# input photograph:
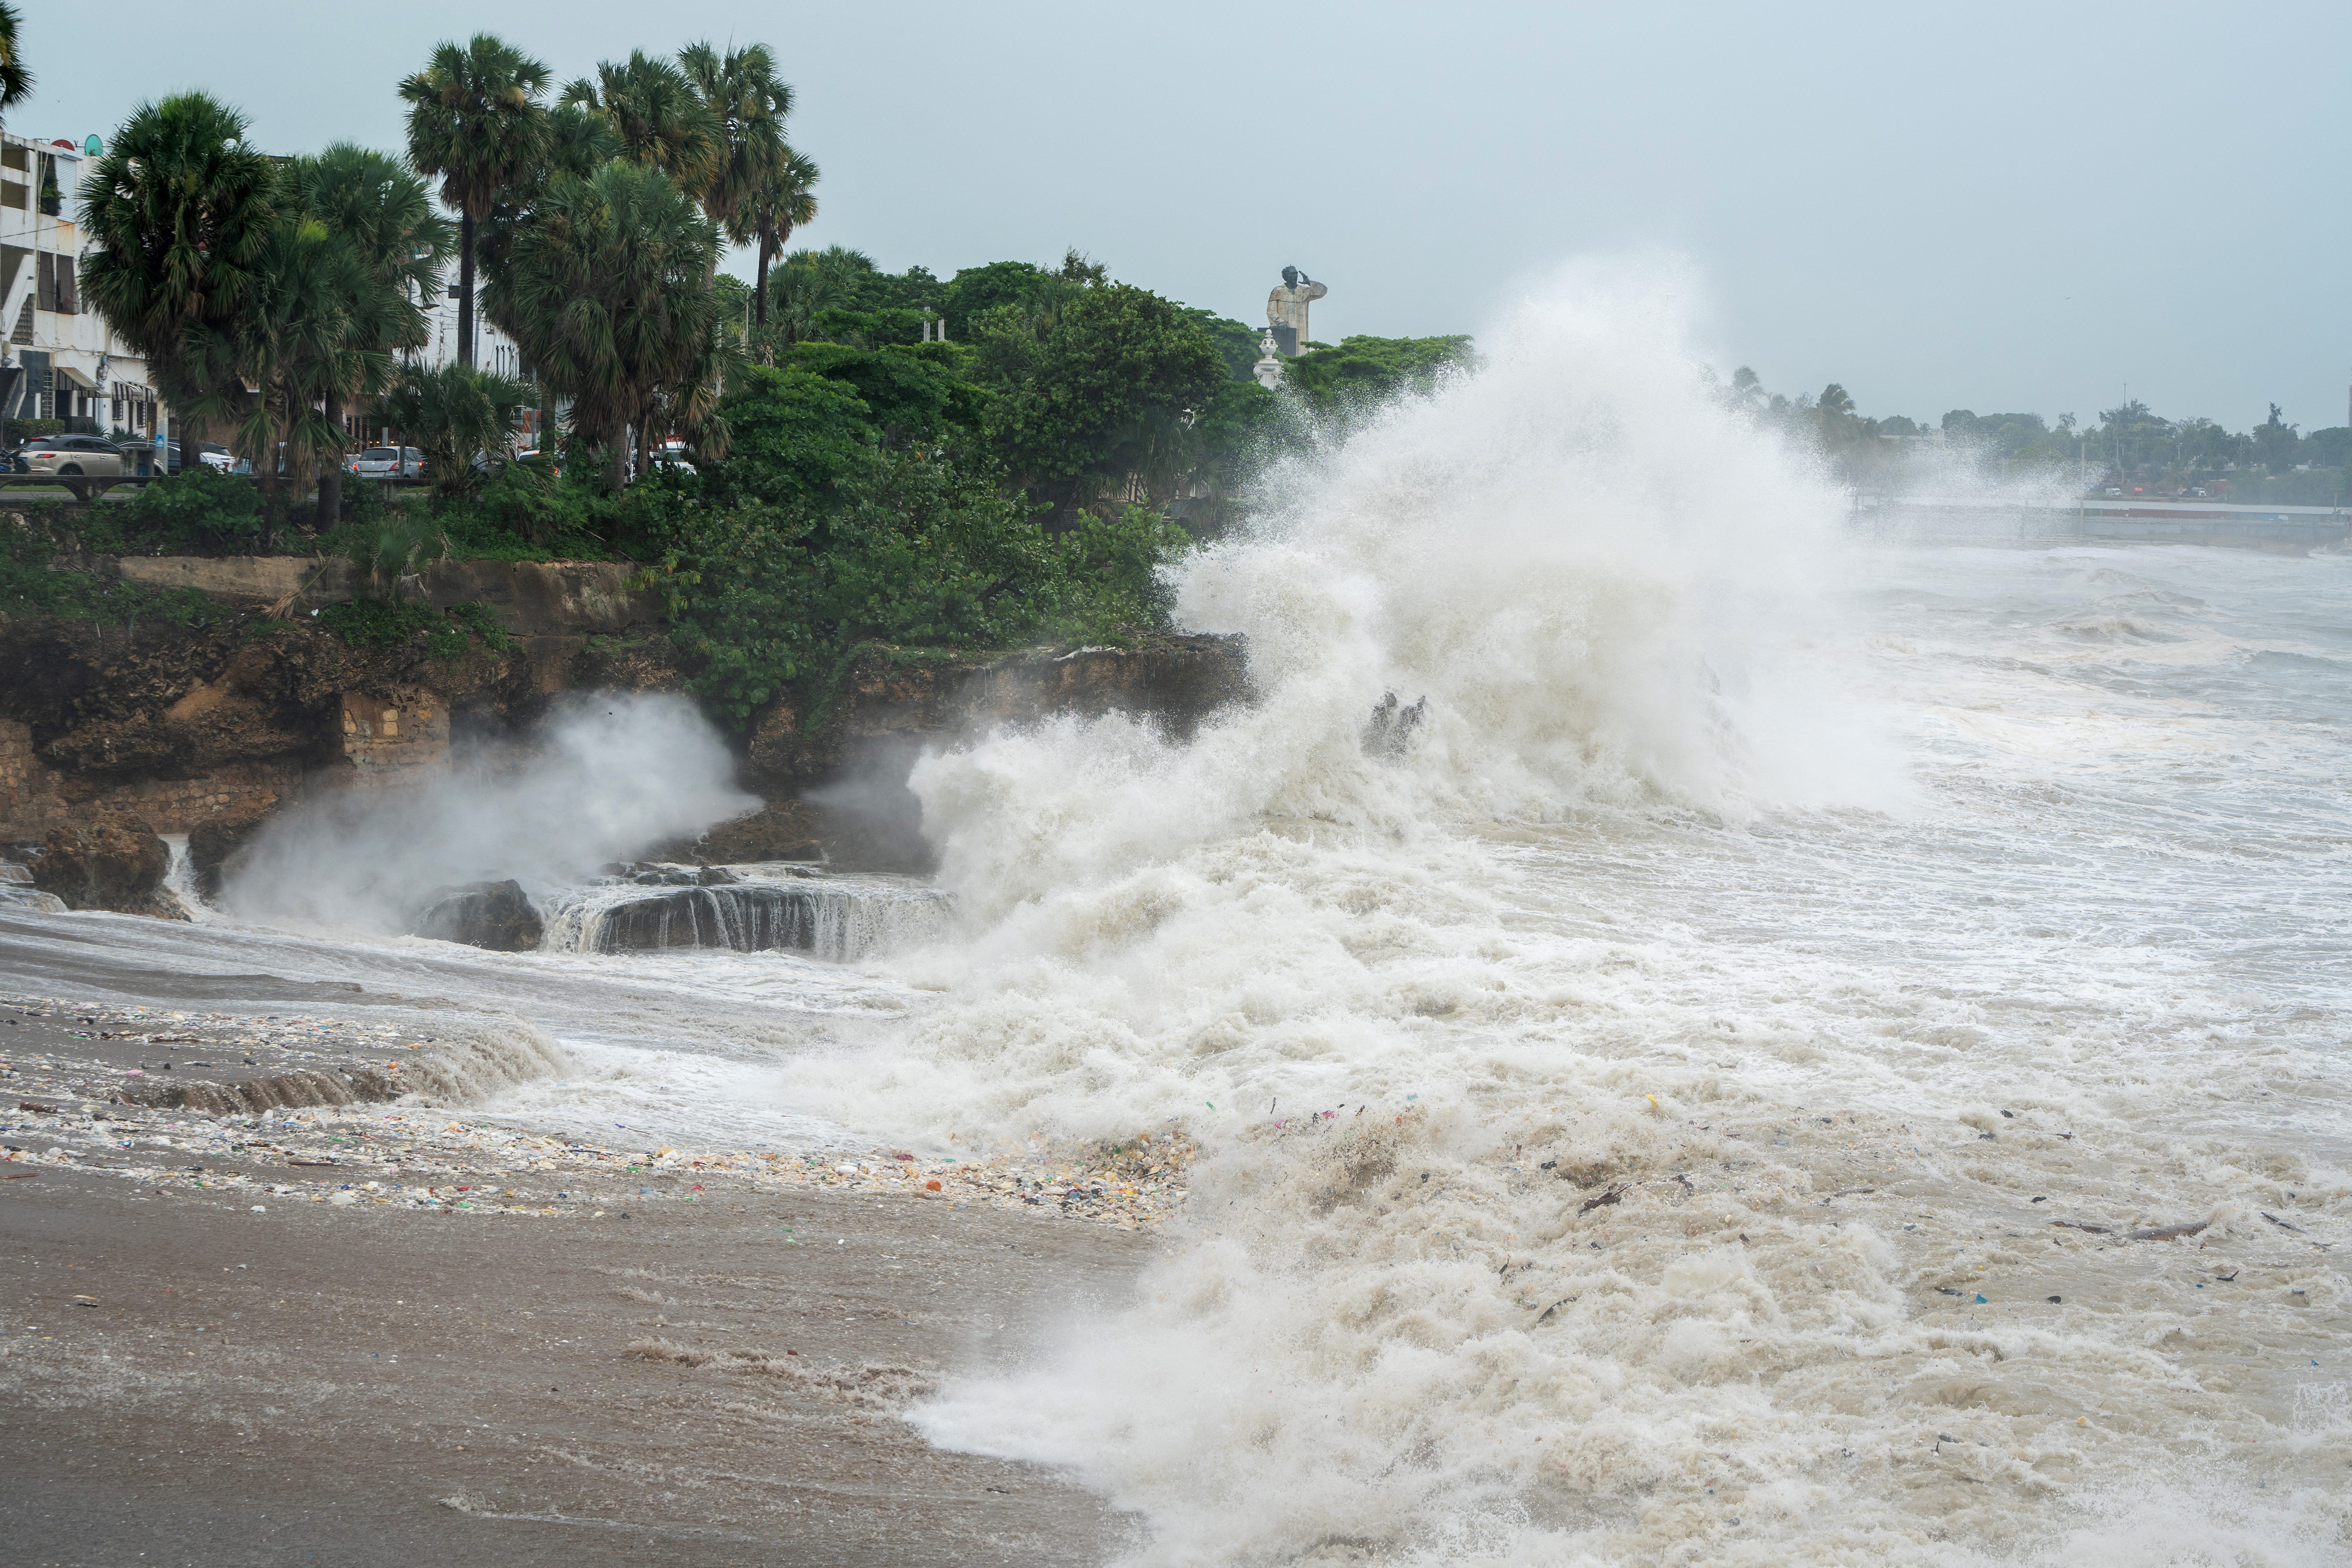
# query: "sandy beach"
{"type": "Point", "coordinates": [375, 1333]}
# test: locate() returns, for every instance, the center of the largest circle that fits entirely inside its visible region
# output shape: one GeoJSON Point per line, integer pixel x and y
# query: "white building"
{"type": "Point", "coordinates": [493, 350]}
{"type": "Point", "coordinates": [59, 361]}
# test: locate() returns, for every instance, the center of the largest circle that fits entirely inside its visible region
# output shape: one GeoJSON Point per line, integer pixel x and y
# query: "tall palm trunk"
{"type": "Point", "coordinates": [265, 473]}
{"type": "Point", "coordinates": [466, 290]}
{"type": "Point", "coordinates": [331, 467]}
{"type": "Point", "coordinates": [617, 448]}
{"type": "Point", "coordinates": [760, 297]}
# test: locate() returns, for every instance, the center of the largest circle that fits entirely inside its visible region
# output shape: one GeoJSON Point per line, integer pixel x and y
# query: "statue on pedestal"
{"type": "Point", "coordinates": [1285, 310]}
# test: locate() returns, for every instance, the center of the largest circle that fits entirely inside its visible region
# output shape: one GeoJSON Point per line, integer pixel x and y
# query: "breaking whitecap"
{"type": "Point", "coordinates": [746, 909]}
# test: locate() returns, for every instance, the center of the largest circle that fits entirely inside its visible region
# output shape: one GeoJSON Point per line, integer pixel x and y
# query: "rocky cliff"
{"type": "Point", "coordinates": [208, 731]}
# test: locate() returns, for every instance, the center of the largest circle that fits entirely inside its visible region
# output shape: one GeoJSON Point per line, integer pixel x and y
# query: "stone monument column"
{"type": "Point", "coordinates": [1268, 369]}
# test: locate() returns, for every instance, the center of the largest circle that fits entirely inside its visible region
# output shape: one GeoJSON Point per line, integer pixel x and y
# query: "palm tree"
{"type": "Point", "coordinates": [783, 201]}
{"type": "Point", "coordinates": [453, 413]}
{"type": "Point", "coordinates": [16, 82]}
{"type": "Point", "coordinates": [748, 104]}
{"type": "Point", "coordinates": [579, 141]}
{"type": "Point", "coordinates": [179, 210]}
{"type": "Point", "coordinates": [383, 216]}
{"type": "Point", "coordinates": [476, 120]}
{"type": "Point", "coordinates": [295, 337]}
{"type": "Point", "coordinates": [812, 282]}
{"type": "Point", "coordinates": [604, 291]}
{"type": "Point", "coordinates": [658, 117]}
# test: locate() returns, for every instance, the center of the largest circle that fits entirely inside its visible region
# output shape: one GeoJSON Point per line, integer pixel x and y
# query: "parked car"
{"type": "Point", "coordinates": [212, 454]}
{"type": "Point", "coordinates": [73, 454]}
{"type": "Point", "coordinates": [388, 463]}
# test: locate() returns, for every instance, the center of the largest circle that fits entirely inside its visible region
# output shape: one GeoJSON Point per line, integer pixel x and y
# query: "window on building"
{"type": "Point", "coordinates": [53, 287]}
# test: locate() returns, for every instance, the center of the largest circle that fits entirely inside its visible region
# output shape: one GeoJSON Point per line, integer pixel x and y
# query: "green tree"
{"type": "Point", "coordinates": [604, 293]}
{"type": "Point", "coordinates": [827, 544]}
{"type": "Point", "coordinates": [658, 116]}
{"type": "Point", "coordinates": [1231, 435]}
{"type": "Point", "coordinates": [382, 216]}
{"type": "Point", "coordinates": [798, 437]}
{"type": "Point", "coordinates": [2132, 437]}
{"type": "Point", "coordinates": [976, 290]}
{"type": "Point", "coordinates": [812, 284]}
{"type": "Point", "coordinates": [1238, 346]}
{"type": "Point", "coordinates": [912, 392]}
{"type": "Point", "coordinates": [1361, 372]}
{"type": "Point", "coordinates": [748, 104]}
{"type": "Point", "coordinates": [16, 80]}
{"type": "Point", "coordinates": [179, 211]}
{"type": "Point", "coordinates": [295, 337]}
{"type": "Point", "coordinates": [783, 200]}
{"type": "Point", "coordinates": [455, 412]}
{"type": "Point", "coordinates": [199, 508]}
{"type": "Point", "coordinates": [474, 121]}
{"type": "Point", "coordinates": [1098, 400]}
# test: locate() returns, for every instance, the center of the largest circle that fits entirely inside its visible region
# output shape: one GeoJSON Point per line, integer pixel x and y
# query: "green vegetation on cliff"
{"type": "Point", "coordinates": [30, 585]}
{"type": "Point", "coordinates": [448, 634]}
{"type": "Point", "coordinates": [831, 527]}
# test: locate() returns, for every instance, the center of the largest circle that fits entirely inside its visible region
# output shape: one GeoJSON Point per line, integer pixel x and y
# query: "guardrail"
{"type": "Point", "coordinates": [87, 487]}
{"type": "Point", "coordinates": [84, 487]}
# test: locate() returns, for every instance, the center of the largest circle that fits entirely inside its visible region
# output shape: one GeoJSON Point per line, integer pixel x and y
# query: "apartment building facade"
{"type": "Point", "coordinates": [58, 358]}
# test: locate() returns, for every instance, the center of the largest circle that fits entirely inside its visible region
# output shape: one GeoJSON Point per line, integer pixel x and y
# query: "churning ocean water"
{"type": "Point", "coordinates": [1817, 1049]}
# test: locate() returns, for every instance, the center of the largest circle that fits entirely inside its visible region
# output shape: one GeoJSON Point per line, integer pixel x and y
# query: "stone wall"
{"type": "Point", "coordinates": [398, 739]}
{"type": "Point", "coordinates": [533, 598]}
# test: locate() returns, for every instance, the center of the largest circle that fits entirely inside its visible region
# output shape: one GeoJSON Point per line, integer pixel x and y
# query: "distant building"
{"type": "Point", "coordinates": [59, 361]}
{"type": "Point", "coordinates": [493, 350]}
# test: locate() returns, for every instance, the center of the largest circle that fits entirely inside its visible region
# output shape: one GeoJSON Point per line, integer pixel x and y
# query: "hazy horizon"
{"type": "Point", "coordinates": [2022, 213]}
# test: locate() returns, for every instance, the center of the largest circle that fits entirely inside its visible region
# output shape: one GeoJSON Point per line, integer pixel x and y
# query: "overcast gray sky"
{"type": "Point", "coordinates": [1996, 206]}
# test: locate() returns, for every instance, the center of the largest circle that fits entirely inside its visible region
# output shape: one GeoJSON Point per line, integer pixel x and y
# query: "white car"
{"type": "Point", "coordinates": [388, 463]}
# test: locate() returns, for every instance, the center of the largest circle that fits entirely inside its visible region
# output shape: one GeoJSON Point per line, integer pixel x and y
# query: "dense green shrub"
{"type": "Point", "coordinates": [811, 541]}
{"type": "Point", "coordinates": [199, 508]}
{"type": "Point", "coordinates": [1362, 371]}
{"type": "Point", "coordinates": [798, 436]}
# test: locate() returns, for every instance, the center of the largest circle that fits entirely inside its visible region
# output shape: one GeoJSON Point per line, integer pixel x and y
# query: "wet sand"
{"type": "Point", "coordinates": [643, 1362]}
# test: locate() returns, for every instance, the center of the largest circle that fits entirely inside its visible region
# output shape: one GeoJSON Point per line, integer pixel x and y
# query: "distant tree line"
{"type": "Point", "coordinates": [2130, 447]}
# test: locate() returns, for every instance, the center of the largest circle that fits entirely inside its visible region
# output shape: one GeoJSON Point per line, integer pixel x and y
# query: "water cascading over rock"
{"type": "Point", "coordinates": [827, 918]}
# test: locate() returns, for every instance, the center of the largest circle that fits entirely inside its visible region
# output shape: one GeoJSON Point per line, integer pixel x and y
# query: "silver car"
{"type": "Point", "coordinates": [388, 463]}
{"type": "Point", "coordinates": [73, 456]}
